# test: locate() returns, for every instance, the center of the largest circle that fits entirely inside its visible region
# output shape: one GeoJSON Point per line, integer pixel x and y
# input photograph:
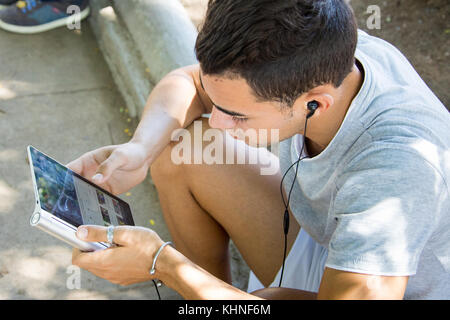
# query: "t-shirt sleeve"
{"type": "Point", "coordinates": [387, 205]}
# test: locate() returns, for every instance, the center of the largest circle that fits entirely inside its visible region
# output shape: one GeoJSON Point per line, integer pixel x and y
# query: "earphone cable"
{"type": "Point", "coordinates": [156, 287]}
{"type": "Point", "coordinates": [286, 204]}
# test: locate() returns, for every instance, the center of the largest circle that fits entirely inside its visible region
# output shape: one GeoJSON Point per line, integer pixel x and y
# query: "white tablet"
{"type": "Point", "coordinates": [66, 200]}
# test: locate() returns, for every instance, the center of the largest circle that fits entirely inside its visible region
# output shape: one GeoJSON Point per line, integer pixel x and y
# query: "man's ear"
{"type": "Point", "coordinates": [324, 101]}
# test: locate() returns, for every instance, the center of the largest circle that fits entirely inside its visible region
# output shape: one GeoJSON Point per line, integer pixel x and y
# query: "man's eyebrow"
{"type": "Point", "coordinates": [230, 113]}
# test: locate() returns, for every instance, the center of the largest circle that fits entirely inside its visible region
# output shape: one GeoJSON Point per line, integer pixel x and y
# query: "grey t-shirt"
{"type": "Point", "coordinates": [378, 196]}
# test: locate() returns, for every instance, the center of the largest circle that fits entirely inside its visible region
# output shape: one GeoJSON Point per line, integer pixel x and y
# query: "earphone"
{"type": "Point", "coordinates": [312, 107]}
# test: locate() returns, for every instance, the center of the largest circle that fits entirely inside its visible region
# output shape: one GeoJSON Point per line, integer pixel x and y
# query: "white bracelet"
{"type": "Point", "coordinates": [152, 271]}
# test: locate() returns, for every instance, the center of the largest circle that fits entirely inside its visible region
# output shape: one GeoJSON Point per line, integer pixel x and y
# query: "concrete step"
{"type": "Point", "coordinates": [142, 41]}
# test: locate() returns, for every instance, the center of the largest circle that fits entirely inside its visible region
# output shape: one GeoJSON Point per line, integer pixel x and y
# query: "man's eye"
{"type": "Point", "coordinates": [238, 119]}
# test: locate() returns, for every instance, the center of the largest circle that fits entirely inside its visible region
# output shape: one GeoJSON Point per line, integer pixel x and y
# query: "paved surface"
{"type": "Point", "coordinates": [56, 94]}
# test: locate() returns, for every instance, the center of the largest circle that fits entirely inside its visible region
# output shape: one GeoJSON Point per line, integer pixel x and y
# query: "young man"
{"type": "Point", "coordinates": [369, 209]}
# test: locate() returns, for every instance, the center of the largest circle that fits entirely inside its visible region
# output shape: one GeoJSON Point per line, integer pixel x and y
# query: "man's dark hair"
{"type": "Point", "coordinates": [282, 48]}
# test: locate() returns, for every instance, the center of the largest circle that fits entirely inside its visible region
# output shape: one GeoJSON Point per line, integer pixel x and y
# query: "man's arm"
{"type": "Point", "coordinates": [175, 102]}
{"type": "Point", "coordinates": [340, 285]}
{"type": "Point", "coordinates": [193, 282]}
{"type": "Point", "coordinates": [131, 261]}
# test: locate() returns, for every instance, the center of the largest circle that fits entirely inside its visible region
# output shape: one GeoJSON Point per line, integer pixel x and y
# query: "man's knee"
{"type": "Point", "coordinates": [163, 167]}
{"type": "Point", "coordinates": [168, 163]}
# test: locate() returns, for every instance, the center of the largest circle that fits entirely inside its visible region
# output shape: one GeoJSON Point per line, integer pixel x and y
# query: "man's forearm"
{"type": "Point", "coordinates": [193, 282]}
{"type": "Point", "coordinates": [173, 104]}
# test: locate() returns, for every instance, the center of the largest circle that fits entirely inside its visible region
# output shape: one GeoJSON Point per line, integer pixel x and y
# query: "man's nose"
{"type": "Point", "coordinates": [220, 120]}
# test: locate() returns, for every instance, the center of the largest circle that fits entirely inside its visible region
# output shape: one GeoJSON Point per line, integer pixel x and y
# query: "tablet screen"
{"type": "Point", "coordinates": [74, 199]}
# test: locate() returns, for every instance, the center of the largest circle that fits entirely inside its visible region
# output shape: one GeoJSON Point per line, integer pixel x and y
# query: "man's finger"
{"type": "Point", "coordinates": [76, 166]}
{"type": "Point", "coordinates": [84, 165]}
{"type": "Point", "coordinates": [91, 233]}
{"type": "Point", "coordinates": [89, 260]}
{"type": "Point", "coordinates": [107, 167]}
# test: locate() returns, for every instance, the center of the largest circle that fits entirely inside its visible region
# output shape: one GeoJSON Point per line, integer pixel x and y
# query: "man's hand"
{"type": "Point", "coordinates": [116, 168]}
{"type": "Point", "coordinates": [128, 263]}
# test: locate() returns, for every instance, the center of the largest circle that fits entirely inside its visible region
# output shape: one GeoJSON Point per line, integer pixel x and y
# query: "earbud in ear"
{"type": "Point", "coordinates": [312, 107]}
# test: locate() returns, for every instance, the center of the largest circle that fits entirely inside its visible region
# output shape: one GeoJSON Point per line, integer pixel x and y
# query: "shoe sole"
{"type": "Point", "coordinates": [43, 27]}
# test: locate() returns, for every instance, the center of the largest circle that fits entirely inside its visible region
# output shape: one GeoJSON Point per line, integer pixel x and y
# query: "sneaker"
{"type": "Point", "coordinates": [6, 3]}
{"type": "Point", "coordinates": [34, 16]}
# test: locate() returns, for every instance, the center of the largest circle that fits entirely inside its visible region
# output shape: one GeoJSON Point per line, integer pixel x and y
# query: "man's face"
{"type": "Point", "coordinates": [238, 111]}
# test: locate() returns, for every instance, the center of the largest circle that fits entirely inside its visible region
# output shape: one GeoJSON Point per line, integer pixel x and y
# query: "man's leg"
{"type": "Point", "coordinates": [204, 205]}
